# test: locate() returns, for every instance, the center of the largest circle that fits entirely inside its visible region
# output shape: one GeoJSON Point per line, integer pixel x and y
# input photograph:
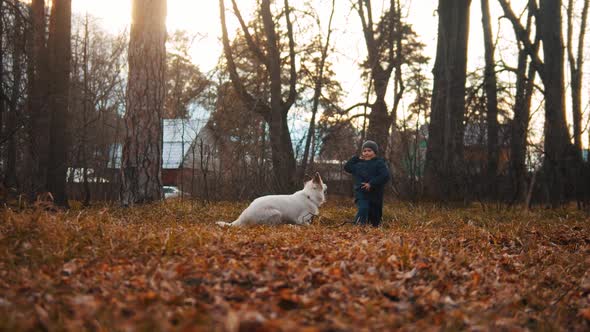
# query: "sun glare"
{"type": "Point", "coordinates": [200, 18]}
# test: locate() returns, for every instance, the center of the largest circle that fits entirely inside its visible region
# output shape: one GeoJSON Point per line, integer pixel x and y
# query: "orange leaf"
{"type": "Point", "coordinates": [585, 313]}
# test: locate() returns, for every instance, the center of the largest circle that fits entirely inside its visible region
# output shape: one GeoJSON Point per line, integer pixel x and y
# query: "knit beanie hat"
{"type": "Point", "coordinates": [371, 145]}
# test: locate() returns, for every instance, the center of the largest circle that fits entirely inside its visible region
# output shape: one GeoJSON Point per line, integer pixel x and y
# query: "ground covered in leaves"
{"type": "Point", "coordinates": [169, 267]}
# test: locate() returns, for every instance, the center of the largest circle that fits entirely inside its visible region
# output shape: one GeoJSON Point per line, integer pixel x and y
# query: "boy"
{"type": "Point", "coordinates": [370, 175]}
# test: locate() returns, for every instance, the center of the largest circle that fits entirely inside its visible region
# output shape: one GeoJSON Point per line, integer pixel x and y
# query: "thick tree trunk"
{"type": "Point", "coordinates": [85, 107]}
{"type": "Point", "coordinates": [59, 51]}
{"type": "Point", "coordinates": [576, 65]}
{"type": "Point", "coordinates": [379, 123]}
{"type": "Point", "coordinates": [283, 156]}
{"type": "Point", "coordinates": [11, 177]}
{"type": "Point", "coordinates": [380, 119]}
{"type": "Point", "coordinates": [3, 98]}
{"type": "Point", "coordinates": [444, 156]}
{"type": "Point", "coordinates": [283, 161]}
{"type": "Point", "coordinates": [38, 102]}
{"type": "Point", "coordinates": [557, 141]}
{"type": "Point", "coordinates": [142, 149]}
{"type": "Point", "coordinates": [491, 99]}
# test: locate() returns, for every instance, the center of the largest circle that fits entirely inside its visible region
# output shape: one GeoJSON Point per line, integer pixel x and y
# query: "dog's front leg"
{"type": "Point", "coordinates": [306, 219]}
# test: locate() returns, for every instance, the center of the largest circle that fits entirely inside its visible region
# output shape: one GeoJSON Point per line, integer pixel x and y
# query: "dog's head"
{"type": "Point", "coordinates": [316, 189]}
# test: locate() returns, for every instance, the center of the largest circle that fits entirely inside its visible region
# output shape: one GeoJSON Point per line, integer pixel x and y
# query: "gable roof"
{"type": "Point", "coordinates": [178, 134]}
{"type": "Point", "coordinates": [177, 137]}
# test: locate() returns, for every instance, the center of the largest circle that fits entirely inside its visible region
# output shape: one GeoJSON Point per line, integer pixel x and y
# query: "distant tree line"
{"type": "Point", "coordinates": [81, 109]}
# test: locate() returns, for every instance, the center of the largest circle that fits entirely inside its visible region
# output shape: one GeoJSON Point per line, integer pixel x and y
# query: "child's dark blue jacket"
{"type": "Point", "coordinates": [373, 171]}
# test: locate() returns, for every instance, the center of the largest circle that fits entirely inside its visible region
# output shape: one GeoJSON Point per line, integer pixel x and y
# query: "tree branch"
{"type": "Point", "coordinates": [233, 73]}
{"type": "Point", "coordinates": [293, 71]}
{"type": "Point", "coordinates": [522, 35]}
{"type": "Point", "coordinates": [251, 45]}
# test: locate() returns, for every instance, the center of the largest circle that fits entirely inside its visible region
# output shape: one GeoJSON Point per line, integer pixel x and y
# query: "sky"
{"type": "Point", "coordinates": [201, 17]}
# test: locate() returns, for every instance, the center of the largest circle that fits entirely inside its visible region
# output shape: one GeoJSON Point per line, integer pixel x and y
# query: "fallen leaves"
{"type": "Point", "coordinates": [168, 267]}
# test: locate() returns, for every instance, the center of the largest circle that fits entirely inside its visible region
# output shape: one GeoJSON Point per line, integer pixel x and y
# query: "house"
{"type": "Point", "coordinates": [182, 141]}
{"type": "Point", "coordinates": [178, 136]}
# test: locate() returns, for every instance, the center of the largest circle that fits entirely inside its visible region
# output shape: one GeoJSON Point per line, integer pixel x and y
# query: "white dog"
{"type": "Point", "coordinates": [298, 208]}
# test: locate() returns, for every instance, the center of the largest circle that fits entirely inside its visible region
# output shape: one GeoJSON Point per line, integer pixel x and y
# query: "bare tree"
{"type": "Point", "coordinates": [12, 126]}
{"type": "Point", "coordinates": [444, 157]}
{"type": "Point", "coordinates": [59, 54]}
{"type": "Point", "coordinates": [525, 80]}
{"type": "Point", "coordinates": [557, 139]}
{"type": "Point", "coordinates": [184, 81]}
{"type": "Point", "coordinates": [142, 157]}
{"type": "Point", "coordinates": [557, 146]}
{"type": "Point", "coordinates": [275, 110]}
{"type": "Point", "coordinates": [576, 65]}
{"type": "Point", "coordinates": [317, 92]}
{"type": "Point", "coordinates": [491, 91]}
{"type": "Point", "coordinates": [38, 103]}
{"type": "Point", "coordinates": [384, 54]}
{"type": "Point", "coordinates": [3, 98]}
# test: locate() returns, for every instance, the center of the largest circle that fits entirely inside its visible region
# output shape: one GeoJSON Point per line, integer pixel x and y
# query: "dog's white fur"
{"type": "Point", "coordinates": [298, 208]}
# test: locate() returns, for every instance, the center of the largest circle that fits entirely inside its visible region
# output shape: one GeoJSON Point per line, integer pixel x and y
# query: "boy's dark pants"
{"type": "Point", "coordinates": [369, 211]}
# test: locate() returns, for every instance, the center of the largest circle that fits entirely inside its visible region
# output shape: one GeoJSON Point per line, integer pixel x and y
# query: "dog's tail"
{"type": "Point", "coordinates": [224, 224]}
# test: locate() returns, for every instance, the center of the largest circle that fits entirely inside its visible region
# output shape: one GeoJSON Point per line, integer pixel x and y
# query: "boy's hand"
{"type": "Point", "coordinates": [366, 186]}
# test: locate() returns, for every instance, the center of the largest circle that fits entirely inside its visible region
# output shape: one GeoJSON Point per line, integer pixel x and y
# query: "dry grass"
{"type": "Point", "coordinates": [168, 267]}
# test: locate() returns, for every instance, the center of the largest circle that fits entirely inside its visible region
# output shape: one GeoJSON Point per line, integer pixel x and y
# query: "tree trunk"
{"type": "Point", "coordinates": [444, 156]}
{"type": "Point", "coordinates": [283, 156]}
{"type": "Point", "coordinates": [3, 98]}
{"type": "Point", "coordinates": [38, 101]}
{"type": "Point", "coordinates": [576, 66]}
{"type": "Point", "coordinates": [59, 53]}
{"type": "Point", "coordinates": [85, 107]}
{"type": "Point", "coordinates": [520, 125]}
{"type": "Point", "coordinates": [11, 177]}
{"type": "Point", "coordinates": [142, 148]}
{"type": "Point", "coordinates": [557, 140]}
{"type": "Point", "coordinates": [520, 122]}
{"type": "Point", "coordinates": [379, 123]}
{"type": "Point", "coordinates": [275, 111]}
{"type": "Point", "coordinates": [491, 99]}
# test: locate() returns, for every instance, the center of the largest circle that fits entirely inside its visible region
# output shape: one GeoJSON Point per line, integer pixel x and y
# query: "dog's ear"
{"type": "Point", "coordinates": [317, 178]}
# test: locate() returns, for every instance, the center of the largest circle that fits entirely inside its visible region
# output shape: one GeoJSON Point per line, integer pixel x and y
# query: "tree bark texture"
{"type": "Point", "coordinates": [380, 119]}
{"type": "Point", "coordinates": [576, 65]}
{"type": "Point", "coordinates": [38, 102]}
{"type": "Point", "coordinates": [59, 53]}
{"type": "Point", "coordinates": [142, 148]}
{"type": "Point", "coordinates": [11, 178]}
{"type": "Point", "coordinates": [444, 156]}
{"type": "Point", "coordinates": [491, 94]}
{"type": "Point", "coordinates": [525, 78]}
{"type": "Point", "coordinates": [557, 141]}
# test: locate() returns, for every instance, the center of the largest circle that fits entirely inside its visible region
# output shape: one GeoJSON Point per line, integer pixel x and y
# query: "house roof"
{"type": "Point", "coordinates": [177, 136]}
